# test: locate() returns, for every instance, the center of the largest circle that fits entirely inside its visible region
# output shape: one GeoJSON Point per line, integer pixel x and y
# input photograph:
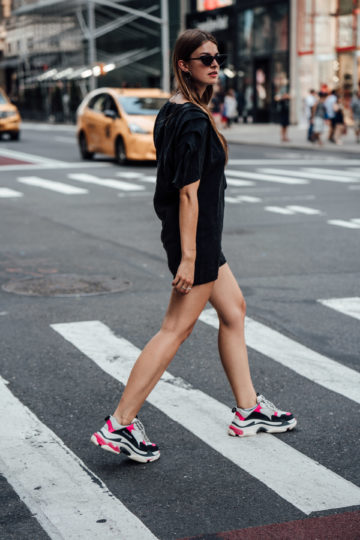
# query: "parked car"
{"type": "Point", "coordinates": [119, 122]}
{"type": "Point", "coordinates": [9, 117]}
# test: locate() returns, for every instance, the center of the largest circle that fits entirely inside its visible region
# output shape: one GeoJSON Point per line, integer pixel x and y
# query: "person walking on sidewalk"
{"type": "Point", "coordinates": [355, 108]}
{"type": "Point", "coordinates": [230, 107]}
{"type": "Point", "coordinates": [189, 200]}
{"type": "Point", "coordinates": [310, 101]}
{"type": "Point", "coordinates": [283, 102]}
{"type": "Point", "coordinates": [330, 102]}
{"type": "Point", "coordinates": [319, 115]}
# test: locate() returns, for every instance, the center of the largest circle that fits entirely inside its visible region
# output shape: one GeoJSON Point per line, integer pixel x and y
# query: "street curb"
{"type": "Point", "coordinates": [298, 147]}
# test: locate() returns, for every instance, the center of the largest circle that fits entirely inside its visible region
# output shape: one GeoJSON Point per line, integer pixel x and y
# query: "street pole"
{"type": "Point", "coordinates": [165, 46]}
{"type": "Point", "coordinates": [295, 102]}
{"type": "Point", "coordinates": [91, 40]}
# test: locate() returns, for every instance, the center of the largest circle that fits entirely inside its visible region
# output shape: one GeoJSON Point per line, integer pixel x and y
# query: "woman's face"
{"type": "Point", "coordinates": [201, 74]}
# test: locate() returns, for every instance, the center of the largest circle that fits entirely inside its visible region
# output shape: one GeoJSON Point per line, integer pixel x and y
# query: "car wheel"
{"type": "Point", "coordinates": [85, 154]}
{"type": "Point", "coordinates": [120, 152]}
{"type": "Point", "coordinates": [15, 135]}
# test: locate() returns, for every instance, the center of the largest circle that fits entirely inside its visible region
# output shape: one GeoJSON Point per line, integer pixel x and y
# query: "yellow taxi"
{"type": "Point", "coordinates": [119, 122]}
{"type": "Point", "coordinates": [9, 117]}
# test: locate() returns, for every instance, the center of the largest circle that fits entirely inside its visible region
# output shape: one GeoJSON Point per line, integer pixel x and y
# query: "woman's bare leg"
{"type": "Point", "coordinates": [229, 303]}
{"type": "Point", "coordinates": [181, 316]}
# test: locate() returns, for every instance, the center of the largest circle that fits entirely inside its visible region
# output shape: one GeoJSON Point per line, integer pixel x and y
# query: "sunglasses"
{"type": "Point", "coordinates": [207, 59]}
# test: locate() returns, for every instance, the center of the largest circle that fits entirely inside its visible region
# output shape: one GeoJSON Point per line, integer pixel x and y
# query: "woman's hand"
{"type": "Point", "coordinates": [184, 279]}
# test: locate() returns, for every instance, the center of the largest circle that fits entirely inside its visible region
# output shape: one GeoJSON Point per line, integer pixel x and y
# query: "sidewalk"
{"type": "Point", "coordinates": [269, 135]}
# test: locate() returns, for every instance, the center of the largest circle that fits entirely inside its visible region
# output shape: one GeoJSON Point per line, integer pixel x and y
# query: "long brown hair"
{"type": "Point", "coordinates": [185, 45]}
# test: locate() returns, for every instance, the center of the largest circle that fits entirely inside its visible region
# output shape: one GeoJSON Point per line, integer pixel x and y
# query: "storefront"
{"type": "Point", "coordinates": [255, 36]}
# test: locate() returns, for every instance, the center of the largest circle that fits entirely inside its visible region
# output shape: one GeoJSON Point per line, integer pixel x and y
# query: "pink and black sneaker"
{"type": "Point", "coordinates": [130, 440]}
{"type": "Point", "coordinates": [263, 417]}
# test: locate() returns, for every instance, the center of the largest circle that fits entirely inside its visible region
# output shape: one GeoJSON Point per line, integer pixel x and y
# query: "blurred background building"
{"type": "Point", "coordinates": [53, 52]}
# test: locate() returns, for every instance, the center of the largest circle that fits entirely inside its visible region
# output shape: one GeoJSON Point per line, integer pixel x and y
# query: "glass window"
{"type": "Point", "coordinates": [246, 22]}
{"type": "Point", "coordinates": [280, 13]}
{"type": "Point", "coordinates": [142, 105]}
{"type": "Point", "coordinates": [97, 103]}
{"type": "Point", "coordinates": [262, 30]}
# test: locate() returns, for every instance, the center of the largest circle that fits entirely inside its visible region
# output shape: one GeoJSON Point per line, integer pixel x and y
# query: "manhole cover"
{"type": "Point", "coordinates": [67, 285]}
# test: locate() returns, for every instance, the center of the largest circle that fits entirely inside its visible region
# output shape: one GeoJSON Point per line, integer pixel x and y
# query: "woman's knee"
{"type": "Point", "coordinates": [234, 315]}
{"type": "Point", "coordinates": [176, 332]}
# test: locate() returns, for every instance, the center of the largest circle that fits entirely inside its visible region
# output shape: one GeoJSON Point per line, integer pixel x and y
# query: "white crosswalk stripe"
{"type": "Point", "coordinates": [347, 306]}
{"type": "Point", "coordinates": [233, 182]}
{"type": "Point", "coordinates": [293, 355]}
{"type": "Point", "coordinates": [242, 198]}
{"type": "Point", "coordinates": [105, 182]}
{"type": "Point", "coordinates": [310, 175]}
{"type": "Point", "coordinates": [317, 488]}
{"type": "Point", "coordinates": [293, 209]}
{"type": "Point", "coordinates": [351, 224]}
{"type": "Point", "coordinates": [6, 193]}
{"type": "Point", "coordinates": [334, 172]}
{"type": "Point", "coordinates": [266, 177]}
{"type": "Point", "coordinates": [68, 500]}
{"type": "Point", "coordinates": [52, 185]}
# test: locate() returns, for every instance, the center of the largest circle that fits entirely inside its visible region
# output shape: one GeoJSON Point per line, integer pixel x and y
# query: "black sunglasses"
{"type": "Point", "coordinates": [207, 59]}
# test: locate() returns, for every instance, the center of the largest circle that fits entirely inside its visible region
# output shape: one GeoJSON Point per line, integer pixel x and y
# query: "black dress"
{"type": "Point", "coordinates": [188, 149]}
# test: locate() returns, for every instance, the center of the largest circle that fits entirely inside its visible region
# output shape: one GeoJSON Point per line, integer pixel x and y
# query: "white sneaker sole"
{"type": "Point", "coordinates": [117, 449]}
{"type": "Point", "coordinates": [249, 431]}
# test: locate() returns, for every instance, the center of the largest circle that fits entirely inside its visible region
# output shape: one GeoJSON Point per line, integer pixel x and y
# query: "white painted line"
{"type": "Point", "coordinates": [291, 354]}
{"type": "Point", "coordinates": [342, 223]}
{"type": "Point", "coordinates": [65, 189]}
{"type": "Point", "coordinates": [148, 178]}
{"type": "Point", "coordinates": [350, 173]}
{"type": "Point", "coordinates": [137, 176]}
{"type": "Point", "coordinates": [314, 176]}
{"type": "Point", "coordinates": [325, 160]}
{"type": "Point", "coordinates": [279, 210]}
{"type": "Point", "coordinates": [301, 481]}
{"type": "Point", "coordinates": [69, 140]}
{"type": "Point", "coordinates": [356, 220]}
{"type": "Point", "coordinates": [238, 183]}
{"type": "Point", "coordinates": [65, 496]}
{"type": "Point", "coordinates": [14, 154]}
{"type": "Point", "coordinates": [304, 210]}
{"type": "Point", "coordinates": [46, 166]}
{"type": "Point", "coordinates": [129, 174]}
{"type": "Point", "coordinates": [9, 193]}
{"type": "Point", "coordinates": [267, 177]}
{"type": "Point", "coordinates": [242, 198]}
{"type": "Point", "coordinates": [105, 182]}
{"type": "Point", "coordinates": [348, 306]}
{"type": "Point", "coordinates": [48, 127]}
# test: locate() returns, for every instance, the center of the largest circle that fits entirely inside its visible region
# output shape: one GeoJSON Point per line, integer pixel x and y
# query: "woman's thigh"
{"type": "Point", "coordinates": [184, 310]}
{"type": "Point", "coordinates": [226, 296]}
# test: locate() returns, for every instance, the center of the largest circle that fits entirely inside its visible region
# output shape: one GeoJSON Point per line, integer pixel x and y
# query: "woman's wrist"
{"type": "Point", "coordinates": [189, 255]}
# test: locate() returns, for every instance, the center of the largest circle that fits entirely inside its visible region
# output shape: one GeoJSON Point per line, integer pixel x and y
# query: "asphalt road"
{"type": "Point", "coordinates": [291, 237]}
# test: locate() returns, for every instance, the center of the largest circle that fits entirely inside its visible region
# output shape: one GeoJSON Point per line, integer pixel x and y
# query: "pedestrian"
{"type": "Point", "coordinates": [355, 108]}
{"type": "Point", "coordinates": [189, 200]}
{"type": "Point", "coordinates": [331, 113]}
{"type": "Point", "coordinates": [283, 102]}
{"type": "Point", "coordinates": [318, 118]}
{"type": "Point", "coordinates": [310, 101]}
{"type": "Point", "coordinates": [230, 104]}
{"type": "Point", "coordinates": [340, 127]}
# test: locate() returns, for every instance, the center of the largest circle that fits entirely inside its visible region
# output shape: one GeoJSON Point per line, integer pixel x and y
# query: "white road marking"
{"type": "Point", "coordinates": [336, 172]}
{"type": "Point", "coordinates": [352, 224]}
{"type": "Point", "coordinates": [348, 306]}
{"type": "Point", "coordinates": [267, 177]}
{"type": "Point", "coordinates": [291, 354]}
{"type": "Point", "coordinates": [65, 189]}
{"type": "Point", "coordinates": [129, 174]}
{"type": "Point", "coordinates": [60, 165]}
{"type": "Point", "coordinates": [31, 158]}
{"type": "Point", "coordinates": [324, 160]}
{"type": "Point", "coordinates": [67, 498]}
{"type": "Point", "coordinates": [242, 198]}
{"type": "Point", "coordinates": [284, 468]}
{"type": "Point", "coordinates": [138, 176]}
{"type": "Point", "coordinates": [314, 176]}
{"type": "Point", "coordinates": [279, 210]}
{"type": "Point", "coordinates": [105, 182]}
{"type": "Point", "coordinates": [7, 193]}
{"type": "Point", "coordinates": [304, 210]}
{"type": "Point", "coordinates": [237, 183]}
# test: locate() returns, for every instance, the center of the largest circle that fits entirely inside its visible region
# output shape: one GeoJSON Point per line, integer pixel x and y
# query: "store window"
{"type": "Point", "coordinates": [245, 29]}
{"type": "Point", "coordinates": [262, 30]}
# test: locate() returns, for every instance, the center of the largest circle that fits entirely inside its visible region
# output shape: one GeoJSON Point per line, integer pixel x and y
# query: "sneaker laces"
{"type": "Point", "coordinates": [141, 428]}
{"type": "Point", "coordinates": [269, 404]}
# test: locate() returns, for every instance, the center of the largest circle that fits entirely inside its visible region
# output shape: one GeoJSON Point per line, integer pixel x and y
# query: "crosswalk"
{"type": "Point", "coordinates": [130, 183]}
{"type": "Point", "coordinates": [41, 468]}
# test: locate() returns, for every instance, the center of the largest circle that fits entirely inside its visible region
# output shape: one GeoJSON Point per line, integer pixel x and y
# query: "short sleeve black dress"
{"type": "Point", "coordinates": [188, 149]}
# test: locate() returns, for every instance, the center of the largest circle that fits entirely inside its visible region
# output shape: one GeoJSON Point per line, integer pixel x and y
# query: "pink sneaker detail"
{"type": "Point", "coordinates": [275, 413]}
{"type": "Point", "coordinates": [131, 427]}
{"type": "Point", "coordinates": [240, 416]}
{"type": "Point", "coordinates": [236, 430]}
{"type": "Point", "coordinates": [110, 426]}
{"type": "Point", "coordinates": [101, 441]}
{"type": "Point", "coordinates": [288, 414]}
{"type": "Point", "coordinates": [258, 408]}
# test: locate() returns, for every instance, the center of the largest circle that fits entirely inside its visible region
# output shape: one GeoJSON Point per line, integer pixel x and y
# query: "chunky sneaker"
{"type": "Point", "coordinates": [130, 440]}
{"type": "Point", "coordinates": [263, 417]}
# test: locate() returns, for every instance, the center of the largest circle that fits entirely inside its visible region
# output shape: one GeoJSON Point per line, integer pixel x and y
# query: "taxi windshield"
{"type": "Point", "coordinates": [141, 105]}
{"type": "Point", "coordinates": [3, 100]}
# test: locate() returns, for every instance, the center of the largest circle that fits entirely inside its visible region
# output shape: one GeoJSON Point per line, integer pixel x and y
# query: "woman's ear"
{"type": "Point", "coordinates": [182, 65]}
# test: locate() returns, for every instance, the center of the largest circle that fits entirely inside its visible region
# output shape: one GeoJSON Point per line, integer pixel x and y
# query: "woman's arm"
{"type": "Point", "coordinates": [188, 219]}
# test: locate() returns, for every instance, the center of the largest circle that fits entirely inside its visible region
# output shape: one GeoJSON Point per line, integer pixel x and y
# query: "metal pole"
{"type": "Point", "coordinates": [91, 41]}
{"type": "Point", "coordinates": [295, 102]}
{"type": "Point", "coordinates": [165, 46]}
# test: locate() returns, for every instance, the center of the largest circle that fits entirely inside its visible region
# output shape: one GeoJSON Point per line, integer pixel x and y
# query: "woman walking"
{"type": "Point", "coordinates": [189, 200]}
